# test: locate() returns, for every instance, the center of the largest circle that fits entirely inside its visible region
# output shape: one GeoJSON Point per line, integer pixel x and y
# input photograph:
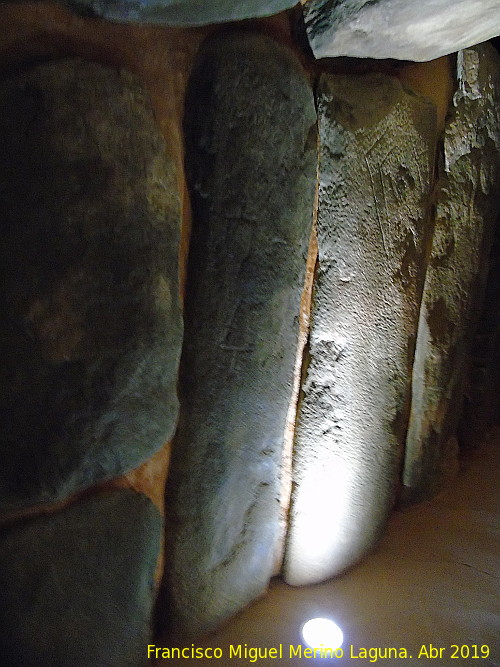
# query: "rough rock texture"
{"type": "Point", "coordinates": [91, 333]}
{"type": "Point", "coordinates": [434, 79]}
{"type": "Point", "coordinates": [77, 586]}
{"type": "Point", "coordinates": [251, 159]}
{"type": "Point", "coordinates": [178, 12]}
{"type": "Point", "coordinates": [467, 206]}
{"type": "Point", "coordinates": [376, 160]}
{"type": "Point", "coordinates": [399, 28]}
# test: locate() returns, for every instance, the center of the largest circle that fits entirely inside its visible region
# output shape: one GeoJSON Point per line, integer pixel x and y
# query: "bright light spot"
{"type": "Point", "coordinates": [321, 632]}
{"type": "Point", "coordinates": [322, 509]}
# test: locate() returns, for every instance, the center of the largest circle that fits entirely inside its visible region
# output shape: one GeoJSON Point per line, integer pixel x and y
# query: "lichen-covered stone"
{"type": "Point", "coordinates": [466, 209]}
{"type": "Point", "coordinates": [251, 159]}
{"type": "Point", "coordinates": [178, 12]}
{"type": "Point", "coordinates": [91, 330]}
{"type": "Point", "coordinates": [399, 29]}
{"type": "Point", "coordinates": [376, 161]}
{"type": "Point", "coordinates": [77, 585]}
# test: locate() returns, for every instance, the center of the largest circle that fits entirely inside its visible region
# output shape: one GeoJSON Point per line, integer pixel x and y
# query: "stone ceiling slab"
{"type": "Point", "coordinates": [397, 28]}
{"type": "Point", "coordinates": [180, 12]}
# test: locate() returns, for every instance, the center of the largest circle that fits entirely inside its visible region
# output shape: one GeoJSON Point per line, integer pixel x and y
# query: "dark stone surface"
{"type": "Point", "coordinates": [467, 204]}
{"type": "Point", "coordinates": [77, 586]}
{"type": "Point", "coordinates": [91, 330]}
{"type": "Point", "coordinates": [251, 158]}
{"type": "Point", "coordinates": [400, 29]}
{"type": "Point", "coordinates": [178, 12]}
{"type": "Point", "coordinates": [481, 404]}
{"type": "Point", "coordinates": [377, 144]}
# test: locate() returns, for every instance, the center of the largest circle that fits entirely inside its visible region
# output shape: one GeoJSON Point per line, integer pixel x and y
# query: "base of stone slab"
{"type": "Point", "coordinates": [77, 586]}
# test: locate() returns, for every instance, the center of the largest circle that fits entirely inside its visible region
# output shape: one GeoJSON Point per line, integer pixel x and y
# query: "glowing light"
{"type": "Point", "coordinates": [322, 632]}
{"type": "Point", "coordinates": [320, 537]}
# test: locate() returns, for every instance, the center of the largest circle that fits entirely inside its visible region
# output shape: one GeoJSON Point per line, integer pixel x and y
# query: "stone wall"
{"type": "Point", "coordinates": [313, 236]}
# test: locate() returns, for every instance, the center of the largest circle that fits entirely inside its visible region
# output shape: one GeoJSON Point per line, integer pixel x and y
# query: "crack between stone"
{"type": "Point", "coordinates": [301, 362]}
{"type": "Point", "coordinates": [237, 548]}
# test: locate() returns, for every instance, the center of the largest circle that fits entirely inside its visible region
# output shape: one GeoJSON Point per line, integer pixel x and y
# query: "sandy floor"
{"type": "Point", "coordinates": [434, 580]}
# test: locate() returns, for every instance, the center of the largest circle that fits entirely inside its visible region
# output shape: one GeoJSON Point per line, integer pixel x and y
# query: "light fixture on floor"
{"type": "Point", "coordinates": [322, 632]}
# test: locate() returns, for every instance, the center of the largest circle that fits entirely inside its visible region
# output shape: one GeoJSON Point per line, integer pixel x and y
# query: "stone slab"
{"type": "Point", "coordinates": [77, 586]}
{"type": "Point", "coordinates": [178, 12]}
{"type": "Point", "coordinates": [399, 29]}
{"type": "Point", "coordinates": [481, 404]}
{"type": "Point", "coordinates": [377, 145]}
{"type": "Point", "coordinates": [91, 335]}
{"type": "Point", "coordinates": [251, 159]}
{"type": "Point", "coordinates": [466, 210]}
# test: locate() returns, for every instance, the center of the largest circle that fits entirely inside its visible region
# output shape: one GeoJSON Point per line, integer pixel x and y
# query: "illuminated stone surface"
{"type": "Point", "coordinates": [376, 160]}
{"type": "Point", "coordinates": [399, 28]}
{"type": "Point", "coordinates": [91, 334]}
{"type": "Point", "coordinates": [466, 209]}
{"type": "Point", "coordinates": [251, 159]}
{"type": "Point", "coordinates": [179, 12]}
{"type": "Point", "coordinates": [77, 586]}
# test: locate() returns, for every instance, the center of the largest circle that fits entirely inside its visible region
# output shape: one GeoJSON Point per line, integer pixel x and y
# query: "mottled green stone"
{"type": "Point", "coordinates": [251, 159]}
{"type": "Point", "coordinates": [91, 330]}
{"type": "Point", "coordinates": [77, 586]}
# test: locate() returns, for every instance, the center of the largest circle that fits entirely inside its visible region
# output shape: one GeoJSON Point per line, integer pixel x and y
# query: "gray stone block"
{"type": "Point", "coordinates": [377, 147]}
{"type": "Point", "coordinates": [77, 586]}
{"type": "Point", "coordinates": [91, 334]}
{"type": "Point", "coordinates": [399, 29]}
{"type": "Point", "coordinates": [251, 158]}
{"type": "Point", "coordinates": [178, 12]}
{"type": "Point", "coordinates": [466, 210]}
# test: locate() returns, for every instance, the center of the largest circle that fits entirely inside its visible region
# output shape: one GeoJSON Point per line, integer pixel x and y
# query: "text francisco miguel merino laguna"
{"type": "Point", "coordinates": [254, 653]}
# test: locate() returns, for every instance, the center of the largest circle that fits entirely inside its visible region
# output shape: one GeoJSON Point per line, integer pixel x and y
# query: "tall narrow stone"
{"type": "Point", "coordinates": [91, 331]}
{"type": "Point", "coordinates": [376, 160]}
{"type": "Point", "coordinates": [251, 159]}
{"type": "Point", "coordinates": [467, 206]}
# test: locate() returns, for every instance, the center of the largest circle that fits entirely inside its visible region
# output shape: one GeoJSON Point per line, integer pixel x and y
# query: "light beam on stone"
{"type": "Point", "coordinates": [322, 499]}
{"type": "Point", "coordinates": [376, 153]}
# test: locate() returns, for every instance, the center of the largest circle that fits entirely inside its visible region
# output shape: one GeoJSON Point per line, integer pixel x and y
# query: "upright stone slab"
{"type": "Point", "coordinates": [77, 585]}
{"type": "Point", "coordinates": [481, 402]}
{"type": "Point", "coordinates": [376, 160]}
{"type": "Point", "coordinates": [466, 210]}
{"type": "Point", "coordinates": [178, 12]}
{"type": "Point", "coordinates": [251, 160]}
{"type": "Point", "coordinates": [400, 29]}
{"type": "Point", "coordinates": [91, 331]}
